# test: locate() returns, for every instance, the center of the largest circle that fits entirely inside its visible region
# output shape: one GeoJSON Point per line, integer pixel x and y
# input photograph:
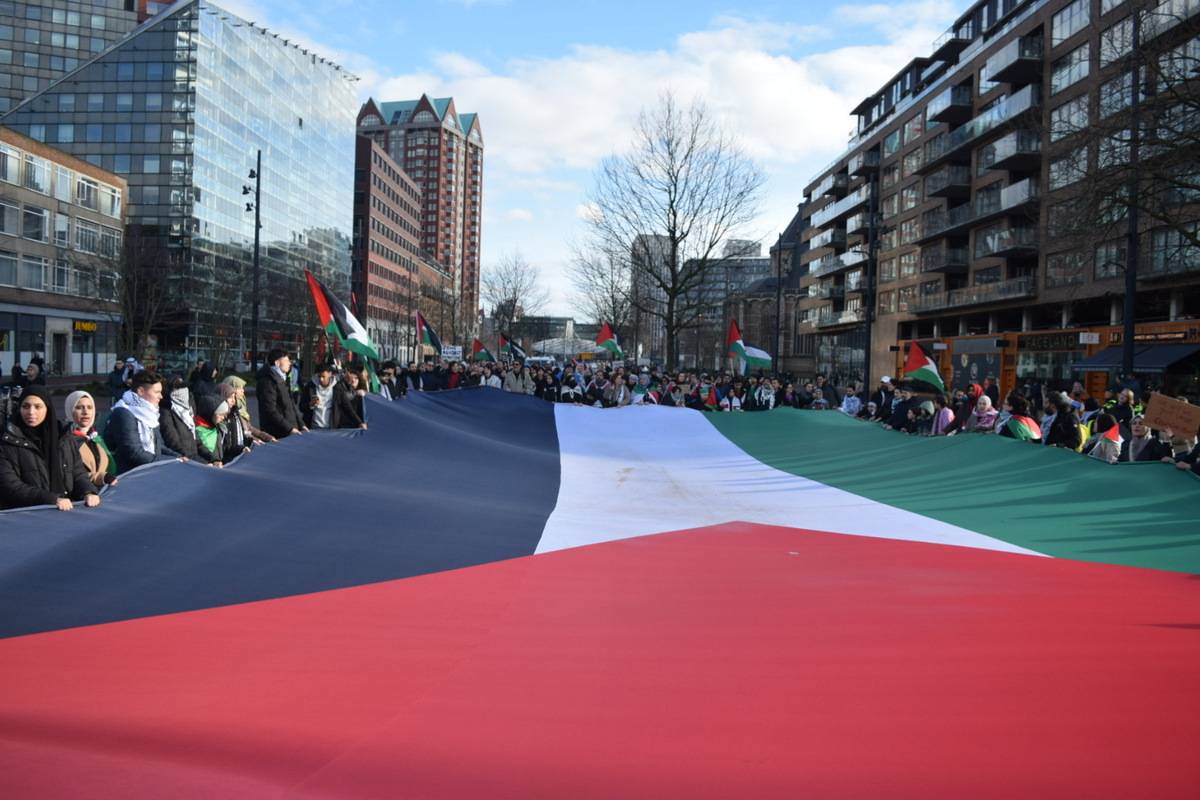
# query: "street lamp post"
{"type": "Point", "coordinates": [778, 303]}
{"type": "Point", "coordinates": [1132, 254]}
{"type": "Point", "coordinates": [256, 175]}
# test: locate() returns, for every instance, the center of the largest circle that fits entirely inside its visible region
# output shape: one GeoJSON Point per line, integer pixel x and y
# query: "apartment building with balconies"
{"type": "Point", "coordinates": [938, 223]}
{"type": "Point", "coordinates": [62, 222]}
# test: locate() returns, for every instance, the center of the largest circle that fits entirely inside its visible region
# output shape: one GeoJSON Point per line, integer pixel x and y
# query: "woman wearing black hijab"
{"type": "Point", "coordinates": [38, 465]}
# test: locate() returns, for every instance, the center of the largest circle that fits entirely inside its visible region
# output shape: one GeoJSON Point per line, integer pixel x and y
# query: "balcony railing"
{"type": "Point", "coordinates": [952, 105]}
{"type": "Point", "coordinates": [965, 135]}
{"type": "Point", "coordinates": [831, 185]}
{"type": "Point", "coordinates": [864, 163]}
{"type": "Point", "coordinates": [1169, 263]}
{"type": "Point", "coordinates": [842, 207]}
{"type": "Point", "coordinates": [831, 318]}
{"type": "Point", "coordinates": [834, 237]}
{"type": "Point", "coordinates": [942, 222]}
{"type": "Point", "coordinates": [976, 295]}
{"type": "Point", "coordinates": [1006, 241]}
{"type": "Point", "coordinates": [835, 263]}
{"type": "Point", "coordinates": [858, 222]}
{"type": "Point", "coordinates": [1018, 61]}
{"type": "Point", "coordinates": [1016, 150]}
{"type": "Point", "coordinates": [950, 180]}
{"type": "Point", "coordinates": [953, 41]}
{"type": "Point", "coordinates": [944, 259]}
{"type": "Point", "coordinates": [825, 292]}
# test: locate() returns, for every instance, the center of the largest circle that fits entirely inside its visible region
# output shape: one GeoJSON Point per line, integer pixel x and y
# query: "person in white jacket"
{"type": "Point", "coordinates": [490, 379]}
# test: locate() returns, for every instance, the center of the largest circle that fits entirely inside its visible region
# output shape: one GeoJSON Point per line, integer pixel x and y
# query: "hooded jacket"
{"type": "Point", "coordinates": [26, 478]}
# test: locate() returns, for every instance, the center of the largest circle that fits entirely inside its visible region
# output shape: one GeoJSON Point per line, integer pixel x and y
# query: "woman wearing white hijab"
{"type": "Point", "coordinates": [93, 452]}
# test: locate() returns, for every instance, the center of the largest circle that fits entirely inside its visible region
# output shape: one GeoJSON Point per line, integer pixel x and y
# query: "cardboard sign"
{"type": "Point", "coordinates": [451, 352]}
{"type": "Point", "coordinates": [1167, 412]}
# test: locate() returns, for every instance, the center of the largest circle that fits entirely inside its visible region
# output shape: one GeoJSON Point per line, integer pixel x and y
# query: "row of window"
{"type": "Point", "coordinates": [44, 176]}
{"type": "Point", "coordinates": [41, 275]}
{"type": "Point", "coordinates": [34, 223]}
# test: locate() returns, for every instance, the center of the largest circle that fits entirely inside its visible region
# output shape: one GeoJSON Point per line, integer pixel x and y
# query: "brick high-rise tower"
{"type": "Point", "coordinates": [442, 150]}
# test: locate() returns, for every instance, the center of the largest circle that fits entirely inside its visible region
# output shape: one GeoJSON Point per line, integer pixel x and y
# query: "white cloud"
{"type": "Point", "coordinates": [784, 90]}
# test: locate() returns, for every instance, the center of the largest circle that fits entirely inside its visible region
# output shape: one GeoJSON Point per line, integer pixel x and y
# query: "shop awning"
{"type": "Point", "coordinates": [1146, 358]}
{"type": "Point", "coordinates": [1159, 357]}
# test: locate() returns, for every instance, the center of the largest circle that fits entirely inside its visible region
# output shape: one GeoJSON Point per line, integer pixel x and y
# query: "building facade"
{"type": "Point", "coordinates": [180, 108]}
{"type": "Point", "coordinates": [393, 276]}
{"type": "Point", "coordinates": [944, 219]}
{"type": "Point", "coordinates": [42, 40]}
{"type": "Point", "coordinates": [442, 150]}
{"type": "Point", "coordinates": [62, 222]}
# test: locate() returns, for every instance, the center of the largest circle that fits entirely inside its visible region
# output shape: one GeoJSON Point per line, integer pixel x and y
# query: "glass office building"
{"type": "Point", "coordinates": [181, 107]}
{"type": "Point", "coordinates": [41, 40]}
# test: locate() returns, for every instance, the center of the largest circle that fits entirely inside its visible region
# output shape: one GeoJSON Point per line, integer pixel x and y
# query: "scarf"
{"type": "Point", "coordinates": [181, 406]}
{"type": "Point", "coordinates": [279, 373]}
{"type": "Point", "coordinates": [44, 438]}
{"type": "Point", "coordinates": [145, 414]}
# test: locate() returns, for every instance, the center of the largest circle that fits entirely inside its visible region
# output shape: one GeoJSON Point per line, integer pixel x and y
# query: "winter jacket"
{"type": "Point", "coordinates": [277, 412]}
{"type": "Point", "coordinates": [1153, 450]}
{"type": "Point", "coordinates": [25, 477]}
{"type": "Point", "coordinates": [95, 457]}
{"type": "Point", "coordinates": [342, 413]}
{"type": "Point", "coordinates": [121, 436]}
{"type": "Point", "coordinates": [518, 382]}
{"type": "Point", "coordinates": [177, 436]}
{"type": "Point", "coordinates": [1063, 431]}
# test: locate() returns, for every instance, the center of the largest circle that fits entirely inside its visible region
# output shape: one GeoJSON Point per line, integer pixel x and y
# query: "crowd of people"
{"type": "Point", "coordinates": [204, 417]}
{"type": "Point", "coordinates": [198, 416]}
{"type": "Point", "coordinates": [1034, 413]}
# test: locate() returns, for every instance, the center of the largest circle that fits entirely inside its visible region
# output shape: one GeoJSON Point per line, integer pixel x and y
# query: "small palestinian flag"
{"type": "Point", "coordinates": [712, 401]}
{"type": "Point", "coordinates": [920, 367]}
{"type": "Point", "coordinates": [425, 335]}
{"type": "Point", "coordinates": [1113, 434]}
{"type": "Point", "coordinates": [480, 353]}
{"type": "Point", "coordinates": [1024, 429]}
{"type": "Point", "coordinates": [752, 357]}
{"type": "Point", "coordinates": [511, 348]}
{"type": "Point", "coordinates": [608, 340]}
{"type": "Point", "coordinates": [337, 320]}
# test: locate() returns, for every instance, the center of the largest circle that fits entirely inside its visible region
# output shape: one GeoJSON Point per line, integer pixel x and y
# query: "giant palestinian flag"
{"type": "Point", "coordinates": [545, 600]}
{"type": "Point", "coordinates": [607, 339]}
{"type": "Point", "coordinates": [425, 334]}
{"type": "Point", "coordinates": [337, 320]}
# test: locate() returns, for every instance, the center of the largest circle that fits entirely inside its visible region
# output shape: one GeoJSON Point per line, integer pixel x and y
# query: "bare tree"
{"type": "Point", "coordinates": [667, 205]}
{"type": "Point", "coordinates": [602, 287]}
{"type": "Point", "coordinates": [1138, 154]}
{"type": "Point", "coordinates": [513, 288]}
{"type": "Point", "coordinates": [134, 284]}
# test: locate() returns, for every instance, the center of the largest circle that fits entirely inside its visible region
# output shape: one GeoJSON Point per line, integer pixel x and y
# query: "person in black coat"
{"type": "Point", "coordinates": [328, 403]}
{"type": "Point", "coordinates": [1063, 430]}
{"type": "Point", "coordinates": [38, 464]}
{"type": "Point", "coordinates": [898, 420]}
{"type": "Point", "coordinates": [1144, 445]}
{"type": "Point", "coordinates": [277, 414]}
{"type": "Point", "coordinates": [177, 422]}
{"type": "Point", "coordinates": [882, 398]}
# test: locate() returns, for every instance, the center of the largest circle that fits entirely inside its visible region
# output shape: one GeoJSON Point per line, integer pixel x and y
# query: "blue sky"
{"type": "Point", "coordinates": [558, 85]}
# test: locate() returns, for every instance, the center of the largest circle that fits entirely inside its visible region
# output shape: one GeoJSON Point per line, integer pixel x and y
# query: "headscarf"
{"type": "Point", "coordinates": [72, 400]}
{"type": "Point", "coordinates": [239, 383]}
{"type": "Point", "coordinates": [181, 406]}
{"type": "Point", "coordinates": [45, 437]}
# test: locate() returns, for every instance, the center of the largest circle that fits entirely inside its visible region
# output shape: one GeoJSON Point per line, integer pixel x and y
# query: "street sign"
{"type": "Point", "coordinates": [1088, 337]}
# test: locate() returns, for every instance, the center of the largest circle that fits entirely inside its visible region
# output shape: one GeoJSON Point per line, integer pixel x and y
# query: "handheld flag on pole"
{"type": "Point", "coordinates": [920, 367]}
{"type": "Point", "coordinates": [608, 340]}
{"type": "Point", "coordinates": [425, 335]}
{"type": "Point", "coordinates": [750, 356]}
{"type": "Point", "coordinates": [480, 353]}
{"type": "Point", "coordinates": [337, 320]}
{"type": "Point", "coordinates": [510, 347]}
